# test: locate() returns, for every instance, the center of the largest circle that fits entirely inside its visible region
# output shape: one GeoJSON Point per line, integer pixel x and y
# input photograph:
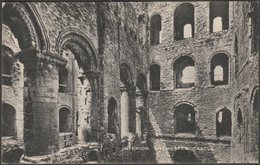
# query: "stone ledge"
{"type": "Point", "coordinates": [225, 140]}
{"type": "Point", "coordinates": [69, 155]}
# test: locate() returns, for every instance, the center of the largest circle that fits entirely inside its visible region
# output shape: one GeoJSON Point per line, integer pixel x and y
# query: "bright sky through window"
{"type": "Point", "coordinates": [217, 24]}
{"type": "Point", "coordinates": [218, 73]}
{"type": "Point", "coordinates": [188, 74]}
{"type": "Point", "coordinates": [187, 30]}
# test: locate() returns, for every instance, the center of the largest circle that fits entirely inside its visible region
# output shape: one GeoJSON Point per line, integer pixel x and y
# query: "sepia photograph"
{"type": "Point", "coordinates": [130, 82]}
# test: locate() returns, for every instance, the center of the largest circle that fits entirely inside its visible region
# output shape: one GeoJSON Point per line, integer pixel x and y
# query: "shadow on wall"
{"type": "Point", "coordinates": [12, 156]}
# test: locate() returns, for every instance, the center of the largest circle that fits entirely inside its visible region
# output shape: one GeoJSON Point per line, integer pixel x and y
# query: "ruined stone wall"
{"type": "Point", "coordinates": [118, 38]}
{"type": "Point", "coordinates": [59, 17]}
{"type": "Point", "coordinates": [245, 85]}
{"type": "Point", "coordinates": [120, 33]}
{"type": "Point", "coordinates": [207, 99]}
{"type": "Point", "coordinates": [13, 94]}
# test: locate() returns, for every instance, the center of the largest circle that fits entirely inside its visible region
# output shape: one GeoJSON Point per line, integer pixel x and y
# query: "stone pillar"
{"type": "Point", "coordinates": [84, 125]}
{"type": "Point", "coordinates": [41, 132]}
{"type": "Point", "coordinates": [139, 110]}
{"type": "Point", "coordinates": [93, 103]}
{"type": "Point", "coordinates": [124, 112]}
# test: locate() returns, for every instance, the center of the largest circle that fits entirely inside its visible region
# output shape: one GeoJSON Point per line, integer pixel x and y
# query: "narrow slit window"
{"type": "Point", "coordinates": [155, 33]}
{"type": "Point", "coordinates": [155, 77]}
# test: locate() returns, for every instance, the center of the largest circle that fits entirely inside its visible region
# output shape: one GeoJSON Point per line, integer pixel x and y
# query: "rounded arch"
{"type": "Point", "coordinates": [81, 46]}
{"type": "Point", "coordinates": [219, 52]}
{"type": "Point", "coordinates": [219, 69]}
{"type": "Point", "coordinates": [183, 15]}
{"type": "Point", "coordinates": [155, 63]}
{"type": "Point", "coordinates": [182, 57]}
{"type": "Point", "coordinates": [185, 102]}
{"type": "Point", "coordinates": [187, 55]}
{"type": "Point", "coordinates": [65, 106]}
{"type": "Point", "coordinates": [156, 13]}
{"type": "Point", "coordinates": [24, 16]}
{"type": "Point", "coordinates": [112, 110]}
{"type": "Point", "coordinates": [126, 75]}
{"type": "Point", "coordinates": [184, 72]}
{"type": "Point", "coordinates": [223, 107]}
{"type": "Point", "coordinates": [184, 115]}
{"type": "Point", "coordinates": [64, 119]}
{"type": "Point", "coordinates": [223, 122]}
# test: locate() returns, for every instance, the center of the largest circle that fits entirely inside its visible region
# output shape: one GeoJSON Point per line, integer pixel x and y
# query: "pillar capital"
{"type": "Point", "coordinates": [141, 93]}
{"type": "Point", "coordinates": [92, 73]}
{"type": "Point", "coordinates": [32, 55]}
{"type": "Point", "coordinates": [123, 89]}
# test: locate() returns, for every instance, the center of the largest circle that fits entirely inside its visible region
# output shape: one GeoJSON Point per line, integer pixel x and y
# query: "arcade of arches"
{"type": "Point", "coordinates": [182, 77]}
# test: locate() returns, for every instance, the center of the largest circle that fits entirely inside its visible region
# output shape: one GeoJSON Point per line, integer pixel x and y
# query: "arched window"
{"type": "Point", "coordinates": [181, 156]}
{"type": "Point", "coordinates": [185, 119]}
{"type": "Point", "coordinates": [7, 65]}
{"type": "Point", "coordinates": [219, 69]}
{"type": "Point", "coordinates": [113, 123]}
{"type": "Point", "coordinates": [184, 21]}
{"type": "Point", "coordinates": [8, 118]}
{"type": "Point", "coordinates": [155, 77]}
{"type": "Point", "coordinates": [64, 120]}
{"type": "Point", "coordinates": [184, 72]}
{"type": "Point", "coordinates": [155, 29]}
{"type": "Point", "coordinates": [63, 80]}
{"type": "Point", "coordinates": [239, 118]}
{"type": "Point", "coordinates": [219, 16]}
{"type": "Point", "coordinates": [223, 120]}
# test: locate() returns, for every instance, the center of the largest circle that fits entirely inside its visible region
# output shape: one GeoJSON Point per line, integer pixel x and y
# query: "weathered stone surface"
{"type": "Point", "coordinates": [97, 40]}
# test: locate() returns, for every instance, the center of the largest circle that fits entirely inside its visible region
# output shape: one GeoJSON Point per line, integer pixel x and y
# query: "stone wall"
{"type": "Point", "coordinates": [13, 94]}
{"type": "Point", "coordinates": [119, 33]}
{"type": "Point", "coordinates": [206, 98]}
{"type": "Point", "coordinates": [246, 85]}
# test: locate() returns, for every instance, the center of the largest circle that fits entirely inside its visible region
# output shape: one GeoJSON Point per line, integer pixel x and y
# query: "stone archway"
{"type": "Point", "coordinates": [85, 70]}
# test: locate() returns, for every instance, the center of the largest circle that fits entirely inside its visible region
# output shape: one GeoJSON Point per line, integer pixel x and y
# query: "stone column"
{"type": "Point", "coordinates": [41, 132]}
{"type": "Point", "coordinates": [93, 104]}
{"type": "Point", "coordinates": [84, 125]}
{"type": "Point", "coordinates": [139, 110]}
{"type": "Point", "coordinates": [124, 112]}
